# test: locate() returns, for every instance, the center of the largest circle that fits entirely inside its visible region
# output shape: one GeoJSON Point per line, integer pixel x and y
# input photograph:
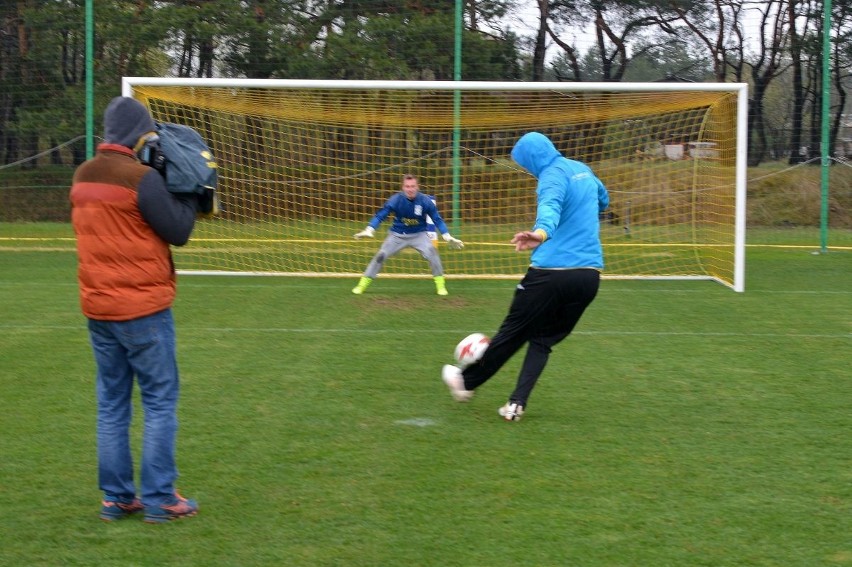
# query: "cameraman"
{"type": "Point", "coordinates": [125, 219]}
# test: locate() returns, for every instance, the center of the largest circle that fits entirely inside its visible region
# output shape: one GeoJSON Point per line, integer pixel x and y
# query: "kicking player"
{"type": "Point", "coordinates": [562, 279]}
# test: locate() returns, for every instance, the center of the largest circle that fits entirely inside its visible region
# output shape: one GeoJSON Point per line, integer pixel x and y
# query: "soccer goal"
{"type": "Point", "coordinates": [303, 165]}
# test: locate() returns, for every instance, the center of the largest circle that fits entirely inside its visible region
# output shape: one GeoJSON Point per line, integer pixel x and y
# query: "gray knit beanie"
{"type": "Point", "coordinates": [125, 121]}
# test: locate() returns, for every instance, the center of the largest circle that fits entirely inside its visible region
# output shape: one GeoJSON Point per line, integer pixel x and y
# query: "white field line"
{"type": "Point", "coordinates": [389, 285]}
{"type": "Point", "coordinates": [455, 332]}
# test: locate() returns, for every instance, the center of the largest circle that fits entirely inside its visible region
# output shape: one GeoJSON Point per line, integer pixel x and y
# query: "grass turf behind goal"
{"type": "Point", "coordinates": [305, 164]}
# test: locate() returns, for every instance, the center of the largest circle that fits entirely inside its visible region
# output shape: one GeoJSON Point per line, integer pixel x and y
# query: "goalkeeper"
{"type": "Point", "coordinates": [562, 279]}
{"type": "Point", "coordinates": [409, 230]}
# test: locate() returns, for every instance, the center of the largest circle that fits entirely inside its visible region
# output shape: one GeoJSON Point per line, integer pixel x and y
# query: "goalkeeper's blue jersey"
{"type": "Point", "coordinates": [410, 215]}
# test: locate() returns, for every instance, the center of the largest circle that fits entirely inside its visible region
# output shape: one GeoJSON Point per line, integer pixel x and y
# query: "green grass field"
{"type": "Point", "coordinates": [682, 424]}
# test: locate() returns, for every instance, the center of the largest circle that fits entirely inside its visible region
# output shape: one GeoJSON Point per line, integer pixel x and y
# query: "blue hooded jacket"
{"type": "Point", "coordinates": [569, 200]}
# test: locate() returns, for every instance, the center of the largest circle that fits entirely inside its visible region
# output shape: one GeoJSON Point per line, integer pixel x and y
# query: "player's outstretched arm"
{"type": "Point", "coordinates": [528, 239]}
{"type": "Point", "coordinates": [454, 243]}
{"type": "Point", "coordinates": [366, 233]}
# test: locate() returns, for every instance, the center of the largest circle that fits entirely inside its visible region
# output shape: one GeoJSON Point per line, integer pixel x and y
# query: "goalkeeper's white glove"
{"type": "Point", "coordinates": [454, 243]}
{"type": "Point", "coordinates": [366, 233]}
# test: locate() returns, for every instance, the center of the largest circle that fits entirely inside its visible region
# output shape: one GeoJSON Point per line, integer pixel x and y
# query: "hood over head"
{"type": "Point", "coordinates": [125, 121]}
{"type": "Point", "coordinates": [534, 152]}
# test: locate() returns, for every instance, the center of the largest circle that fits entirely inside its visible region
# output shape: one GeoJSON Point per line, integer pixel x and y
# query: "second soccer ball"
{"type": "Point", "coordinates": [470, 349]}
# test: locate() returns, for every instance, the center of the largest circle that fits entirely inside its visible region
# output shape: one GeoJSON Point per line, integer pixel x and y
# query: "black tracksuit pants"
{"type": "Point", "coordinates": [545, 308]}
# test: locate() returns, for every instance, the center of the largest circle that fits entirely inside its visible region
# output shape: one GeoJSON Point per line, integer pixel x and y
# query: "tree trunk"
{"type": "Point", "coordinates": [796, 153]}
{"type": "Point", "coordinates": [841, 104]}
{"type": "Point", "coordinates": [540, 41]}
{"type": "Point", "coordinates": [756, 129]}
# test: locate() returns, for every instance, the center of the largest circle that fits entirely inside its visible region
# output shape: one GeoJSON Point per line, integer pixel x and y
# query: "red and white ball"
{"type": "Point", "coordinates": [471, 348]}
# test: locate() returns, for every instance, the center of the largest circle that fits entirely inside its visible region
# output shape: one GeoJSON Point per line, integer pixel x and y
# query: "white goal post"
{"type": "Point", "coordinates": [304, 163]}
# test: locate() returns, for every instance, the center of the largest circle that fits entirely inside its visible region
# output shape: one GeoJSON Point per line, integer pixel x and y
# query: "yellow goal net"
{"type": "Point", "coordinates": [303, 165]}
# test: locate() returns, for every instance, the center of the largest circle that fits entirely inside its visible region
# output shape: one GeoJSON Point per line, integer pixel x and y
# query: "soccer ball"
{"type": "Point", "coordinates": [471, 348]}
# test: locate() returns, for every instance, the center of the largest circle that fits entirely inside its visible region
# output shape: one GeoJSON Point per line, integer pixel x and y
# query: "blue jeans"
{"type": "Point", "coordinates": [144, 348]}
